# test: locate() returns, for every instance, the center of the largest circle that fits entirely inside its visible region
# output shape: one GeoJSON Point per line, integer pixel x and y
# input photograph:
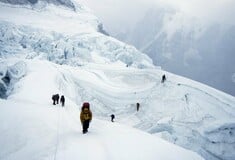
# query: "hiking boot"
{"type": "Point", "coordinates": [84, 132]}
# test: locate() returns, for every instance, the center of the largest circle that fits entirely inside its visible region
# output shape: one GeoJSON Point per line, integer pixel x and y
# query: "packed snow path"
{"type": "Point", "coordinates": [44, 131]}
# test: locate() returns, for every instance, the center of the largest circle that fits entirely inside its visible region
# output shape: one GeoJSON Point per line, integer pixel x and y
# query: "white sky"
{"type": "Point", "coordinates": [115, 13]}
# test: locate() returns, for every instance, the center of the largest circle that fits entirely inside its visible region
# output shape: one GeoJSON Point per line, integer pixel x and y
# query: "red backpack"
{"type": "Point", "coordinates": [86, 105]}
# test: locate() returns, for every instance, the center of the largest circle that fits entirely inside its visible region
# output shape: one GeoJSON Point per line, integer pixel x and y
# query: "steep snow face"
{"type": "Point", "coordinates": [74, 50]}
{"type": "Point", "coordinates": [187, 46]}
{"type": "Point", "coordinates": [62, 36]}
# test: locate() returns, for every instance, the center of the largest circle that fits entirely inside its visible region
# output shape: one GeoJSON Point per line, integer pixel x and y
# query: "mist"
{"type": "Point", "coordinates": [195, 39]}
{"type": "Point", "coordinates": [122, 14]}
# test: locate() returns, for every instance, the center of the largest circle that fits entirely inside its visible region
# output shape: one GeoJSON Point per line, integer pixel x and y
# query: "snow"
{"type": "Point", "coordinates": [184, 44]}
{"type": "Point", "coordinates": [9, 75]}
{"type": "Point", "coordinates": [51, 18]}
{"type": "Point", "coordinates": [109, 90]}
{"type": "Point", "coordinates": [62, 36]}
{"type": "Point", "coordinates": [85, 65]}
{"type": "Point", "coordinates": [32, 128]}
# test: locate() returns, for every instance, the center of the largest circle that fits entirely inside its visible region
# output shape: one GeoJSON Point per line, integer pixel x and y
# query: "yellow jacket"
{"type": "Point", "coordinates": [85, 115]}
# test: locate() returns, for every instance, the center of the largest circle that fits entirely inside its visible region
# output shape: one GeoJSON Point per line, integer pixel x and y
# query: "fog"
{"type": "Point", "coordinates": [202, 35]}
{"type": "Point", "coordinates": [123, 14]}
{"type": "Point", "coordinates": [118, 14]}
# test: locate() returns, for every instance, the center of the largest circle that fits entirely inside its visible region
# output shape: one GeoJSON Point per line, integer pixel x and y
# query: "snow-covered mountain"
{"type": "Point", "coordinates": [187, 46]}
{"type": "Point", "coordinates": [46, 48]}
{"type": "Point", "coordinates": [32, 128]}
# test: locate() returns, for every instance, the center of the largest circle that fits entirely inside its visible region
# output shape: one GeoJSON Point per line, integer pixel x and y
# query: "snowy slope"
{"type": "Point", "coordinates": [86, 65]}
{"type": "Point", "coordinates": [187, 45]}
{"type": "Point", "coordinates": [50, 18]}
{"type": "Point", "coordinates": [32, 128]}
{"type": "Point", "coordinates": [62, 36]}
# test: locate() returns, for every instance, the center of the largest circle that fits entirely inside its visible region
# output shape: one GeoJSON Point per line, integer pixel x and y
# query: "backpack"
{"type": "Point", "coordinates": [86, 105]}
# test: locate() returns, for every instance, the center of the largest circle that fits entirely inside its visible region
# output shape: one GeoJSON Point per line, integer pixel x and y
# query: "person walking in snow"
{"type": "Point", "coordinates": [137, 106]}
{"type": "Point", "coordinates": [112, 117]}
{"type": "Point", "coordinates": [62, 100]}
{"type": "Point", "coordinates": [163, 78]}
{"type": "Point", "coordinates": [55, 99]}
{"type": "Point", "coordinates": [85, 117]}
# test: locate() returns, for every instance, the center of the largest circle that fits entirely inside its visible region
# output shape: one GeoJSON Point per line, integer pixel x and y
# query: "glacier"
{"type": "Point", "coordinates": [9, 75]}
{"type": "Point", "coordinates": [57, 49]}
